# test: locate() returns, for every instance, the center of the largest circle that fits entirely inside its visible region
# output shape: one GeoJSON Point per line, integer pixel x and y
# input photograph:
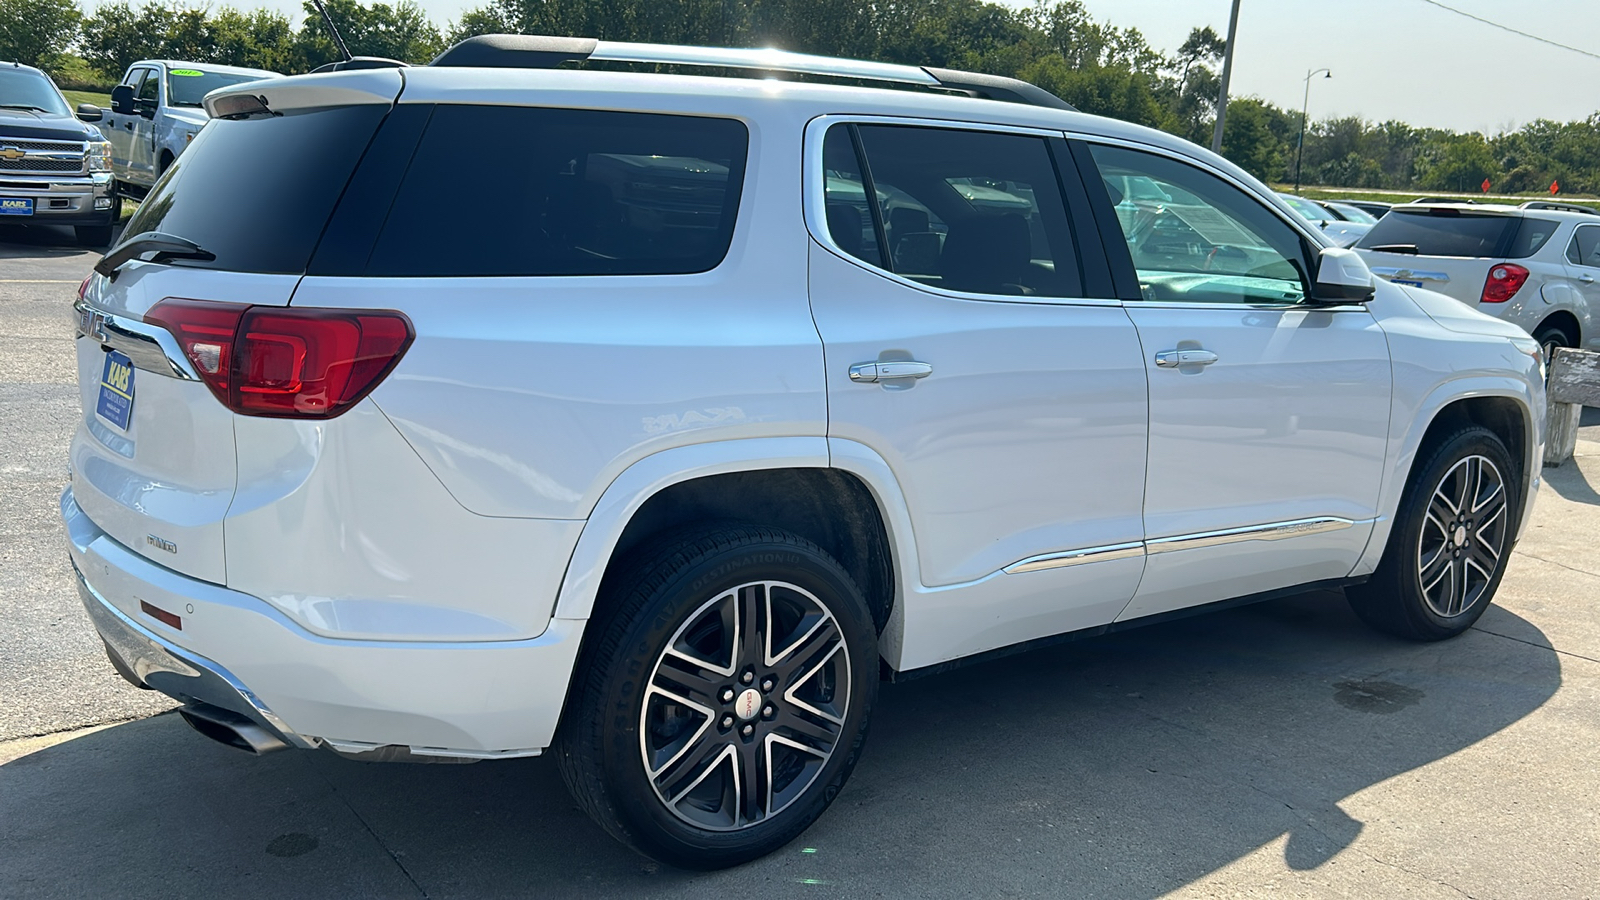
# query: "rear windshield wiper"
{"type": "Point", "coordinates": [1393, 248]}
{"type": "Point", "coordinates": [164, 246]}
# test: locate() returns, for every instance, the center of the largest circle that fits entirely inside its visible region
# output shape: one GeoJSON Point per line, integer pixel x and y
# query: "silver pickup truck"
{"type": "Point", "coordinates": [155, 113]}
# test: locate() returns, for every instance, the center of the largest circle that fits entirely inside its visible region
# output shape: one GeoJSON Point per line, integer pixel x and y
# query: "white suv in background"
{"type": "Point", "coordinates": [739, 396]}
{"type": "Point", "coordinates": [1537, 265]}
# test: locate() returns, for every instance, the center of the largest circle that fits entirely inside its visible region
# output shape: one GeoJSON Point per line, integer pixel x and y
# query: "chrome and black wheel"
{"type": "Point", "coordinates": [727, 700]}
{"type": "Point", "coordinates": [1448, 548]}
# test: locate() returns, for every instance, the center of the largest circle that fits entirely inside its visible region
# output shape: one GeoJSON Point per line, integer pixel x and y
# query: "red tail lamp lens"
{"type": "Point", "coordinates": [288, 363]}
{"type": "Point", "coordinates": [1503, 282]}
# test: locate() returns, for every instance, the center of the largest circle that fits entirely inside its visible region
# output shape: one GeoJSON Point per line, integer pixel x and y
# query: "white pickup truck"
{"type": "Point", "coordinates": [155, 113]}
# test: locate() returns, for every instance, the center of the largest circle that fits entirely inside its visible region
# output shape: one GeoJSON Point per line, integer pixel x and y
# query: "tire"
{"type": "Point", "coordinates": [1451, 538]}
{"type": "Point", "coordinates": [1550, 337]}
{"type": "Point", "coordinates": [93, 235]}
{"type": "Point", "coordinates": [681, 711]}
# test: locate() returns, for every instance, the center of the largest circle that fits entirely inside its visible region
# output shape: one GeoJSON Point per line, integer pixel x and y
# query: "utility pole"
{"type": "Point", "coordinates": [1305, 108]}
{"type": "Point", "coordinates": [1227, 71]}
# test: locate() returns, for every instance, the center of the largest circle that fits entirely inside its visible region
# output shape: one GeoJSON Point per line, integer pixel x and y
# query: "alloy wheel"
{"type": "Point", "coordinates": [1463, 536]}
{"type": "Point", "coordinates": [745, 705]}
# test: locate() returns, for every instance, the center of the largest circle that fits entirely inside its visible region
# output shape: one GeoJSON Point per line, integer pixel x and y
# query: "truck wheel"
{"type": "Point", "coordinates": [93, 235]}
{"type": "Point", "coordinates": [722, 701]}
{"type": "Point", "coordinates": [1451, 537]}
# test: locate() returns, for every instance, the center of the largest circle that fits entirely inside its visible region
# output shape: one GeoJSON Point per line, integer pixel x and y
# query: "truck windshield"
{"type": "Point", "coordinates": [186, 87]}
{"type": "Point", "coordinates": [28, 89]}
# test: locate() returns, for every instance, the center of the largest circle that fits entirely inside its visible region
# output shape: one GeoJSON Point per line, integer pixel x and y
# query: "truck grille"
{"type": "Point", "coordinates": [22, 156]}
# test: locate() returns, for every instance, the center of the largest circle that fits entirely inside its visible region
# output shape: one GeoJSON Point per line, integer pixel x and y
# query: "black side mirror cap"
{"type": "Point", "coordinates": [122, 99]}
{"type": "Point", "coordinates": [88, 112]}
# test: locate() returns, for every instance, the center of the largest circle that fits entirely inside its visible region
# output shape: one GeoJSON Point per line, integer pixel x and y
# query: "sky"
{"type": "Point", "coordinates": [1391, 59]}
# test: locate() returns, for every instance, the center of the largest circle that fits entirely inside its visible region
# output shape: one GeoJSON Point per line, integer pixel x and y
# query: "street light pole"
{"type": "Point", "coordinates": [1227, 71]}
{"type": "Point", "coordinates": [1305, 107]}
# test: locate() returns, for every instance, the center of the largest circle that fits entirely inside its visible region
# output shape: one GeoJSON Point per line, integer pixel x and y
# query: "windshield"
{"type": "Point", "coordinates": [1306, 208]}
{"type": "Point", "coordinates": [186, 87]}
{"type": "Point", "coordinates": [1354, 213]}
{"type": "Point", "coordinates": [28, 89]}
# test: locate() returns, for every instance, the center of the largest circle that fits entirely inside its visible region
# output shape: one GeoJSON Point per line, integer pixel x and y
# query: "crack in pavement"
{"type": "Point", "coordinates": [375, 838]}
{"type": "Point", "coordinates": [1533, 644]}
{"type": "Point", "coordinates": [1562, 565]}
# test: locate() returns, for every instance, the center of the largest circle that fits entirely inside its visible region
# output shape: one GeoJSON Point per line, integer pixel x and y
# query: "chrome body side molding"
{"type": "Point", "coordinates": [1272, 531]}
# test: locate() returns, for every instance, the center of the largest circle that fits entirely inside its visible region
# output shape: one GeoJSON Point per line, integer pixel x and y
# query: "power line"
{"type": "Point", "coordinates": [1491, 24]}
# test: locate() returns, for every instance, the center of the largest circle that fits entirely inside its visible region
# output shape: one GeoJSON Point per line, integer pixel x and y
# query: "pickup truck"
{"type": "Point", "coordinates": [155, 113]}
{"type": "Point", "coordinates": [54, 168]}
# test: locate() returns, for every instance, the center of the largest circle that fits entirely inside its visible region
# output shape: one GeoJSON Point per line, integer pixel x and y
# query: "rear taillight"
{"type": "Point", "coordinates": [1504, 280]}
{"type": "Point", "coordinates": [288, 363]}
{"type": "Point", "coordinates": [83, 287]}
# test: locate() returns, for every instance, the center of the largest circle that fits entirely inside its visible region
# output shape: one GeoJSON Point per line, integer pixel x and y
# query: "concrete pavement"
{"type": "Point", "coordinates": [1276, 750]}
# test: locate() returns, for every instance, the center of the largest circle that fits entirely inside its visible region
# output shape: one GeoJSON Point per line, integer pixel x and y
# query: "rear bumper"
{"type": "Point", "coordinates": [474, 700]}
{"type": "Point", "coordinates": [61, 199]}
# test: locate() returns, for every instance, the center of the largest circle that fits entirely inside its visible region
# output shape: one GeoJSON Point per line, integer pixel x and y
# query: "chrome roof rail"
{"type": "Point", "coordinates": [532, 51]}
{"type": "Point", "coordinates": [1559, 207]}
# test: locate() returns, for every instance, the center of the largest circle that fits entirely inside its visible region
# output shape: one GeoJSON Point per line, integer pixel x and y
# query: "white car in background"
{"type": "Point", "coordinates": [1536, 265]}
{"type": "Point", "coordinates": [743, 395]}
{"type": "Point", "coordinates": [1340, 229]}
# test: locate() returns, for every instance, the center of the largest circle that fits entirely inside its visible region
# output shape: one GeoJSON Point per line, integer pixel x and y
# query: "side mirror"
{"type": "Point", "coordinates": [1342, 277]}
{"type": "Point", "coordinates": [88, 112]}
{"type": "Point", "coordinates": [122, 99]}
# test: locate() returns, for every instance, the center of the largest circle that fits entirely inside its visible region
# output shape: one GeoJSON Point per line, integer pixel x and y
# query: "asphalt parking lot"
{"type": "Point", "coordinates": [1275, 750]}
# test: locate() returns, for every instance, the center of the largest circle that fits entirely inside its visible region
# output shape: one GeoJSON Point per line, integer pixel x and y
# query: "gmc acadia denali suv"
{"type": "Point", "coordinates": [739, 396]}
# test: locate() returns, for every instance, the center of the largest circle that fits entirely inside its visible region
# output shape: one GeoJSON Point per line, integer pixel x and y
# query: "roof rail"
{"type": "Point", "coordinates": [1559, 207]}
{"type": "Point", "coordinates": [361, 62]}
{"type": "Point", "coordinates": [533, 51]}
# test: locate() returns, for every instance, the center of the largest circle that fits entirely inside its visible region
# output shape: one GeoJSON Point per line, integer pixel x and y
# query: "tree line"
{"type": "Point", "coordinates": [1097, 66]}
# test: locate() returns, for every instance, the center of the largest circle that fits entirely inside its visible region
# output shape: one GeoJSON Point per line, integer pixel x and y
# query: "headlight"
{"type": "Point", "coordinates": [99, 155]}
{"type": "Point", "coordinates": [1532, 348]}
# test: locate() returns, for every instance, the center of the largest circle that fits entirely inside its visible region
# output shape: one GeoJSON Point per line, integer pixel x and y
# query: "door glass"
{"type": "Point", "coordinates": [1194, 238]}
{"type": "Point", "coordinates": [967, 210]}
{"type": "Point", "coordinates": [1585, 247]}
{"type": "Point", "coordinates": [849, 218]}
{"type": "Point", "coordinates": [149, 88]}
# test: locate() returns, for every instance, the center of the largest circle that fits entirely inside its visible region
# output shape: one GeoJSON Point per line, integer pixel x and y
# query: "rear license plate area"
{"type": "Point", "coordinates": [116, 391]}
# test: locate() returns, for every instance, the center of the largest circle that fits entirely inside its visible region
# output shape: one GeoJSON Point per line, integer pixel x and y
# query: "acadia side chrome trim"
{"type": "Point", "coordinates": [1272, 531]}
{"type": "Point", "coordinates": [1076, 557]}
{"type": "Point", "coordinates": [148, 347]}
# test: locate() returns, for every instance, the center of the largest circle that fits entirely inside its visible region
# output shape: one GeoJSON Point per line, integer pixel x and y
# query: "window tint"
{"type": "Point", "coordinates": [1441, 232]}
{"type": "Point", "coordinates": [965, 210]}
{"type": "Point", "coordinates": [1585, 247]}
{"type": "Point", "coordinates": [1531, 235]}
{"type": "Point", "coordinates": [257, 192]}
{"type": "Point", "coordinates": [564, 192]}
{"type": "Point", "coordinates": [849, 218]}
{"type": "Point", "coordinates": [1195, 238]}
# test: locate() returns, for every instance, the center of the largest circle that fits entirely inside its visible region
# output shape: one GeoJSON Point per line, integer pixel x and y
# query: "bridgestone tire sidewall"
{"type": "Point", "coordinates": [1470, 441]}
{"type": "Point", "coordinates": [654, 828]}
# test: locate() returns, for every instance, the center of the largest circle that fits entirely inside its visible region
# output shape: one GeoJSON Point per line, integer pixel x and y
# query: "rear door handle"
{"type": "Point", "coordinates": [1171, 359]}
{"type": "Point", "coordinates": [867, 373]}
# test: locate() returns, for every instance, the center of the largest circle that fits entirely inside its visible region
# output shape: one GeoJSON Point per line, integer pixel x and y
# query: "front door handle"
{"type": "Point", "coordinates": [1171, 359]}
{"type": "Point", "coordinates": [1586, 278]}
{"type": "Point", "coordinates": [867, 373]}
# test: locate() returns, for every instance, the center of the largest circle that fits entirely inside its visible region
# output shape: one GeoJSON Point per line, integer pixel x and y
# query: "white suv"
{"type": "Point", "coordinates": [487, 408]}
{"type": "Point", "coordinates": [1536, 264]}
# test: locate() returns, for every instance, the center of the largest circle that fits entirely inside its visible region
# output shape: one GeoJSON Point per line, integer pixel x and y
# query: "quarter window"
{"type": "Point", "coordinates": [564, 192]}
{"type": "Point", "coordinates": [1585, 247]}
{"type": "Point", "coordinates": [972, 211]}
{"type": "Point", "coordinates": [1194, 238]}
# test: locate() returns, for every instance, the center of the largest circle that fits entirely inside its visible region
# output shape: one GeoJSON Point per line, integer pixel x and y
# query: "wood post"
{"type": "Point", "coordinates": [1574, 383]}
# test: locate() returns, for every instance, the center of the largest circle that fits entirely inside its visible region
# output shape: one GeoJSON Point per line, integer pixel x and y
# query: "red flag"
{"type": "Point", "coordinates": [1555, 187]}
{"type": "Point", "coordinates": [1486, 185]}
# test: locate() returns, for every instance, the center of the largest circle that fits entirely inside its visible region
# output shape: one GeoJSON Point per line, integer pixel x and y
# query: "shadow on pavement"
{"type": "Point", "coordinates": [1569, 481]}
{"type": "Point", "coordinates": [1124, 766]}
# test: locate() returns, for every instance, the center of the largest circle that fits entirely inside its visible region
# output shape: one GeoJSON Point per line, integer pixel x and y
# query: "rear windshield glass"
{"type": "Point", "coordinates": [1442, 235]}
{"type": "Point", "coordinates": [257, 192]}
{"type": "Point", "coordinates": [564, 192]}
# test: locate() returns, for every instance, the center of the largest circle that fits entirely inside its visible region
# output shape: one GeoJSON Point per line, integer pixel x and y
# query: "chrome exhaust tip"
{"type": "Point", "coordinates": [230, 728]}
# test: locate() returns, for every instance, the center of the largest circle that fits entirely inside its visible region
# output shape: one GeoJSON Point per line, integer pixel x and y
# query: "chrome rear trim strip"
{"type": "Point", "coordinates": [149, 348]}
{"type": "Point", "coordinates": [1274, 531]}
{"type": "Point", "coordinates": [1076, 557]}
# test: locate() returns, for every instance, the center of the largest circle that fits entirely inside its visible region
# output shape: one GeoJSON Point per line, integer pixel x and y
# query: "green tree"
{"type": "Point", "coordinates": [401, 31]}
{"type": "Point", "coordinates": [37, 32]}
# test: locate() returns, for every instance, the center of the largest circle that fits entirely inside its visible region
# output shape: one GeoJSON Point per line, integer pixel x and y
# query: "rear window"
{"type": "Point", "coordinates": [257, 192]}
{"type": "Point", "coordinates": [509, 191]}
{"type": "Point", "coordinates": [1451, 233]}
